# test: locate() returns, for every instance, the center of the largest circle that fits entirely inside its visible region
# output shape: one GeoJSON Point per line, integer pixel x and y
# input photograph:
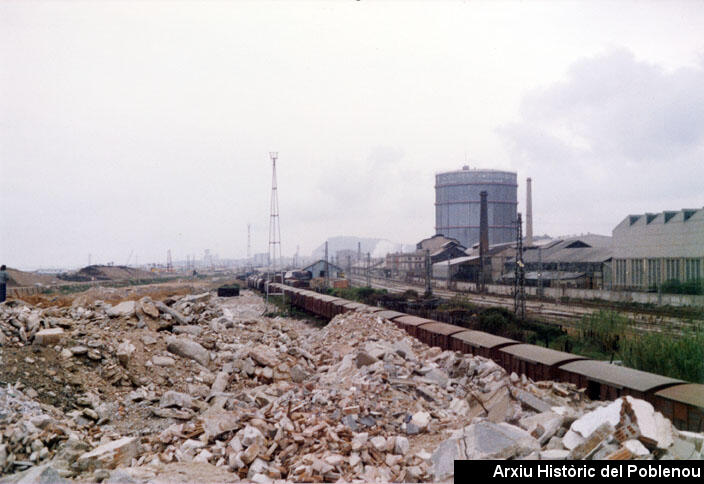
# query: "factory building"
{"type": "Point", "coordinates": [652, 248]}
{"type": "Point", "coordinates": [457, 203]}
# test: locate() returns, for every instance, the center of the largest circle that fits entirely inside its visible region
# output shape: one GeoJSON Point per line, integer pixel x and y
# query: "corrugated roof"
{"type": "Point", "coordinates": [689, 393]}
{"type": "Point", "coordinates": [412, 320]}
{"type": "Point", "coordinates": [562, 254]}
{"type": "Point", "coordinates": [538, 354]}
{"type": "Point", "coordinates": [482, 340]}
{"type": "Point", "coordinates": [321, 261]}
{"type": "Point", "coordinates": [354, 305]}
{"type": "Point", "coordinates": [619, 376]}
{"type": "Point", "coordinates": [442, 328]}
{"type": "Point", "coordinates": [389, 314]}
{"type": "Point", "coordinates": [457, 260]}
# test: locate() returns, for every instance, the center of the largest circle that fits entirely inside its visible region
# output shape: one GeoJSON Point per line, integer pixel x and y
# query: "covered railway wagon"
{"type": "Point", "coordinates": [605, 381]}
{"type": "Point", "coordinates": [683, 404]}
{"type": "Point", "coordinates": [410, 324]}
{"type": "Point", "coordinates": [479, 343]}
{"type": "Point", "coordinates": [437, 334]}
{"type": "Point", "coordinates": [535, 362]}
{"type": "Point", "coordinates": [327, 303]}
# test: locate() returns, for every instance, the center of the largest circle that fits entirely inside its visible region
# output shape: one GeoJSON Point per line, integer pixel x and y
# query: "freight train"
{"type": "Point", "coordinates": [681, 402]}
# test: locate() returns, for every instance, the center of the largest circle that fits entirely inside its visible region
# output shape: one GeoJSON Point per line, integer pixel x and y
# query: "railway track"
{"type": "Point", "coordinates": [549, 312]}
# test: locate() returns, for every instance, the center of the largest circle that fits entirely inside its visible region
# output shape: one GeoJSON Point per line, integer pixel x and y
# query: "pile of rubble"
{"type": "Point", "coordinates": [207, 387]}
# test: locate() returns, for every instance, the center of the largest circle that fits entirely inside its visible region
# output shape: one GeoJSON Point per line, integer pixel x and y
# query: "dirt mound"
{"type": "Point", "coordinates": [22, 278]}
{"type": "Point", "coordinates": [106, 273]}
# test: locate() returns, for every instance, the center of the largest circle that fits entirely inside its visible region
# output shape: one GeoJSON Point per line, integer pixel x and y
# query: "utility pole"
{"type": "Point", "coordinates": [428, 270]}
{"type": "Point", "coordinates": [169, 263]}
{"type": "Point", "coordinates": [540, 271]}
{"type": "Point", "coordinates": [369, 275]}
{"type": "Point", "coordinates": [249, 245]}
{"type": "Point", "coordinates": [327, 267]}
{"type": "Point", "coordinates": [483, 240]}
{"type": "Point", "coordinates": [519, 283]}
{"type": "Point", "coordinates": [274, 231]}
{"type": "Point", "coordinates": [449, 272]}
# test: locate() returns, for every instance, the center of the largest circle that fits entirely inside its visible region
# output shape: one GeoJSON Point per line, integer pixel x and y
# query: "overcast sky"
{"type": "Point", "coordinates": [146, 126]}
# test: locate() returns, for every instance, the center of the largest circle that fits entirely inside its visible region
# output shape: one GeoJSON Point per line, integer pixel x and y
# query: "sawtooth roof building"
{"type": "Point", "coordinates": [652, 248]}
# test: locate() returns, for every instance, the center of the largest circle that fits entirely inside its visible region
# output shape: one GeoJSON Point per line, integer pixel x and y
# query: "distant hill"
{"type": "Point", "coordinates": [376, 247]}
{"type": "Point", "coordinates": [22, 279]}
{"type": "Point", "coordinates": [106, 273]}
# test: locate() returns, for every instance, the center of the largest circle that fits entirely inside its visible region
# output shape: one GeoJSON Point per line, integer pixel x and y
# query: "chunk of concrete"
{"type": "Point", "coordinates": [530, 401]}
{"type": "Point", "coordinates": [149, 308]}
{"type": "Point", "coordinates": [48, 337]}
{"type": "Point", "coordinates": [483, 440]}
{"type": "Point", "coordinates": [263, 357]}
{"type": "Point", "coordinates": [592, 443]}
{"type": "Point", "coordinates": [110, 455]}
{"type": "Point", "coordinates": [175, 399]}
{"type": "Point", "coordinates": [554, 454]}
{"type": "Point", "coordinates": [589, 422]}
{"type": "Point", "coordinates": [220, 383]}
{"type": "Point", "coordinates": [682, 450]}
{"type": "Point", "coordinates": [44, 474]}
{"type": "Point", "coordinates": [124, 353]}
{"type": "Point", "coordinates": [542, 426]}
{"type": "Point", "coordinates": [163, 361]}
{"type": "Point", "coordinates": [125, 309]}
{"type": "Point", "coordinates": [421, 420]}
{"type": "Point", "coordinates": [187, 329]}
{"type": "Point", "coordinates": [437, 377]}
{"type": "Point", "coordinates": [636, 448]}
{"type": "Point", "coordinates": [187, 348]}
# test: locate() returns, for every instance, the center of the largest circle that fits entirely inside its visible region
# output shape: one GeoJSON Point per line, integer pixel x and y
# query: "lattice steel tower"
{"type": "Point", "coordinates": [274, 229]}
{"type": "Point", "coordinates": [519, 282]}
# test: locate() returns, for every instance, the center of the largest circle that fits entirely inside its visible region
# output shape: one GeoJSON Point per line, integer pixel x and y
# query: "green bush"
{"type": "Point", "coordinates": [662, 353]}
{"type": "Point", "coordinates": [674, 286]}
{"type": "Point", "coordinates": [604, 330]}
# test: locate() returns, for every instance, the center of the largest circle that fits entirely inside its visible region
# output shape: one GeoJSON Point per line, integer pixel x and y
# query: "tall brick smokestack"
{"type": "Point", "coordinates": [483, 225]}
{"type": "Point", "coordinates": [529, 213]}
{"type": "Point", "coordinates": [483, 239]}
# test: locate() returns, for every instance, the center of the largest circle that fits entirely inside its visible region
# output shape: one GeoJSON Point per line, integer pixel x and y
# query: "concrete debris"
{"type": "Point", "coordinates": [124, 352]}
{"type": "Point", "coordinates": [111, 454]}
{"type": "Point", "coordinates": [123, 310]}
{"type": "Point", "coordinates": [187, 348]}
{"type": "Point", "coordinates": [197, 386]}
{"type": "Point", "coordinates": [48, 337]}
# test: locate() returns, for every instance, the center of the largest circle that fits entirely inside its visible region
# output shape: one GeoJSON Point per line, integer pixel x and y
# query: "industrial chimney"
{"type": "Point", "coordinates": [529, 213]}
{"type": "Point", "coordinates": [483, 238]}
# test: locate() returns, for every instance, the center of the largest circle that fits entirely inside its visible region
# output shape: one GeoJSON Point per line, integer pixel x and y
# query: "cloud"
{"type": "Point", "coordinates": [617, 136]}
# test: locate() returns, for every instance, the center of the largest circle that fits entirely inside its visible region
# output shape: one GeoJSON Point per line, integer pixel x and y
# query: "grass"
{"type": "Point", "coordinates": [677, 357]}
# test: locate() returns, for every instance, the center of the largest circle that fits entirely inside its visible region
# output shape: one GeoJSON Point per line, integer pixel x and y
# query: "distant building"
{"type": "Point", "coordinates": [412, 264]}
{"type": "Point", "coordinates": [457, 200]}
{"type": "Point", "coordinates": [652, 248]}
{"type": "Point", "coordinates": [579, 261]}
{"type": "Point", "coordinates": [435, 242]}
{"type": "Point", "coordinates": [319, 268]}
